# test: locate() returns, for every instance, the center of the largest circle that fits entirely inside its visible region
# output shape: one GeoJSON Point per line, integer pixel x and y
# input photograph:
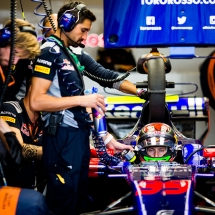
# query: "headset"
{"type": "Point", "coordinates": [5, 34]}
{"type": "Point", "coordinates": [70, 17]}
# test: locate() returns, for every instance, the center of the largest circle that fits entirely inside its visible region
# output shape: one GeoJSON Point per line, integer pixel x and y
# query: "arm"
{"type": "Point", "coordinates": [41, 101]}
{"type": "Point", "coordinates": [14, 124]}
{"type": "Point", "coordinates": [29, 151]}
{"type": "Point", "coordinates": [42, 81]}
{"type": "Point", "coordinates": [4, 128]}
{"type": "Point", "coordinates": [128, 87]}
{"type": "Point", "coordinates": [10, 141]}
{"type": "Point", "coordinates": [97, 70]}
{"type": "Point", "coordinates": [116, 146]}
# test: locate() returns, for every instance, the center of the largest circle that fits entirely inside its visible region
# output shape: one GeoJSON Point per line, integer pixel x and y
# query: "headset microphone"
{"type": "Point", "coordinates": [81, 45]}
{"type": "Point", "coordinates": [78, 44]}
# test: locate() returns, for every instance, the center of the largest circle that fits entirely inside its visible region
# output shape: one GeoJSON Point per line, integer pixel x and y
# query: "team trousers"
{"type": "Point", "coordinates": [66, 158]}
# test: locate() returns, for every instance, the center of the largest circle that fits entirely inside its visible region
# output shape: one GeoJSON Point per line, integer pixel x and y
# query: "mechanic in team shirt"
{"type": "Point", "coordinates": [27, 125]}
{"type": "Point", "coordinates": [26, 48]}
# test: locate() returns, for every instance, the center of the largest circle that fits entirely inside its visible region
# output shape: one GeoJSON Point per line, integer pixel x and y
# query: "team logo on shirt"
{"type": "Point", "coordinates": [24, 129]}
{"type": "Point", "coordinates": [48, 63]}
{"type": "Point", "coordinates": [42, 69]}
{"type": "Point", "coordinates": [30, 65]}
{"type": "Point", "coordinates": [67, 65]}
{"type": "Point", "coordinates": [8, 119]}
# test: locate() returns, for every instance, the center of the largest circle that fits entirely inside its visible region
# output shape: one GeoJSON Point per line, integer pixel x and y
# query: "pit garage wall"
{"type": "Point", "coordinates": [182, 70]}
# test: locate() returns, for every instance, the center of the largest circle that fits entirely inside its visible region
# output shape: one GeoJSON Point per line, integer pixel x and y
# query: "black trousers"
{"type": "Point", "coordinates": [66, 159]}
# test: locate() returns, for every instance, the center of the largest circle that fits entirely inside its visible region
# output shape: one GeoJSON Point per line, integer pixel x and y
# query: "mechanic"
{"type": "Point", "coordinates": [112, 144]}
{"type": "Point", "coordinates": [27, 125]}
{"type": "Point", "coordinates": [58, 89]}
{"type": "Point", "coordinates": [25, 35]}
{"type": "Point", "coordinates": [26, 48]}
{"type": "Point", "coordinates": [48, 30]}
{"type": "Point", "coordinates": [17, 201]}
{"type": "Point", "coordinates": [158, 142]}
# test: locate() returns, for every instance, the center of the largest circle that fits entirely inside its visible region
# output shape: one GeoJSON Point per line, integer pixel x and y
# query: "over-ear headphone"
{"type": "Point", "coordinates": [70, 17]}
{"type": "Point", "coordinates": [5, 34]}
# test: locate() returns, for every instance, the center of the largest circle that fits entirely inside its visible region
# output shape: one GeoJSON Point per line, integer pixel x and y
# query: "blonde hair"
{"type": "Point", "coordinates": [25, 41]}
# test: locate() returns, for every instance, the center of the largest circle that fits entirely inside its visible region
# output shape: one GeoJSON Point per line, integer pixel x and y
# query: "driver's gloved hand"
{"type": "Point", "coordinates": [143, 94]}
{"type": "Point", "coordinates": [15, 147]}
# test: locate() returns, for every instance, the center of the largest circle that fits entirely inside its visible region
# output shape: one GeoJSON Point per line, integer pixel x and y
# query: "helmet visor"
{"type": "Point", "coordinates": [157, 151]}
{"type": "Point", "coordinates": [157, 141]}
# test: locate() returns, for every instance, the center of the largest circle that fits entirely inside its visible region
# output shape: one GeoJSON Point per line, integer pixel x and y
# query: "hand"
{"type": "Point", "coordinates": [94, 101]}
{"type": "Point", "coordinates": [143, 94]}
{"type": "Point", "coordinates": [118, 147]}
{"type": "Point", "coordinates": [14, 145]}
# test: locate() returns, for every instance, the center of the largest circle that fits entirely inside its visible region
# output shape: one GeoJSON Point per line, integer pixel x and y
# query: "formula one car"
{"type": "Point", "coordinates": [181, 181]}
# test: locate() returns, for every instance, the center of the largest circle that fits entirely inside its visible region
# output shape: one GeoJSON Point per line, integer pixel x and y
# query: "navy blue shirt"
{"type": "Point", "coordinates": [15, 114]}
{"type": "Point", "coordinates": [55, 64]}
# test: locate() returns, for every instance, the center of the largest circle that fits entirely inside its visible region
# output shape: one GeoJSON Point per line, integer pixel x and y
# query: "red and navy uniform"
{"type": "Point", "coordinates": [19, 78]}
{"type": "Point", "coordinates": [66, 155]}
{"type": "Point", "coordinates": [15, 114]}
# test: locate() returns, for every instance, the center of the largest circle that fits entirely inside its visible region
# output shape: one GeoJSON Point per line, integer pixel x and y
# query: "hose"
{"type": "Point", "coordinates": [13, 8]}
{"type": "Point", "coordinates": [95, 78]}
{"type": "Point", "coordinates": [48, 13]}
{"type": "Point", "coordinates": [102, 153]}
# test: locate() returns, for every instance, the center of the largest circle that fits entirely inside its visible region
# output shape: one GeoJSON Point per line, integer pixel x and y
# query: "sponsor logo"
{"type": "Point", "coordinates": [48, 63]}
{"type": "Point", "coordinates": [66, 61]}
{"type": "Point", "coordinates": [42, 69]}
{"type": "Point", "coordinates": [182, 20]}
{"type": "Point", "coordinates": [165, 212]}
{"type": "Point", "coordinates": [8, 119]}
{"type": "Point", "coordinates": [67, 65]}
{"type": "Point", "coordinates": [24, 129]}
{"type": "Point", "coordinates": [8, 113]}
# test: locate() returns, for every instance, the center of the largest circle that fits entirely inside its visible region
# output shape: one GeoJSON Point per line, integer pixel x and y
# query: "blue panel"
{"type": "Point", "coordinates": [160, 23]}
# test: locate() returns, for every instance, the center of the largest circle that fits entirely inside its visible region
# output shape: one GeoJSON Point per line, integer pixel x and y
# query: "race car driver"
{"type": "Point", "coordinates": [157, 141]}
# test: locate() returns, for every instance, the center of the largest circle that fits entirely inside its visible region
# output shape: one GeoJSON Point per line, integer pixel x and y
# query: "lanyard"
{"type": "Point", "coordinates": [33, 129]}
{"type": "Point", "coordinates": [75, 58]}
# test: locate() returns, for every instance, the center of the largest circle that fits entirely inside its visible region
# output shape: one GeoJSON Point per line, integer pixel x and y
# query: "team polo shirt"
{"type": "Point", "coordinates": [55, 64]}
{"type": "Point", "coordinates": [15, 114]}
{"type": "Point", "coordinates": [22, 74]}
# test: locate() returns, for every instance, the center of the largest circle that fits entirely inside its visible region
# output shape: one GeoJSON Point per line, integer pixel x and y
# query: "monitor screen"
{"type": "Point", "coordinates": [159, 23]}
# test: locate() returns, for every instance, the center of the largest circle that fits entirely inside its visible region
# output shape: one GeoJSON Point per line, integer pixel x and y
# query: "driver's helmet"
{"type": "Point", "coordinates": [157, 135]}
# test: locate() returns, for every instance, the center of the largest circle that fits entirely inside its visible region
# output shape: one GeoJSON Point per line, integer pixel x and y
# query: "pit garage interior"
{"type": "Point", "coordinates": [194, 121]}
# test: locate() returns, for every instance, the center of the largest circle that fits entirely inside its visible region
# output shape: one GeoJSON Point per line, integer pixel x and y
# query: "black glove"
{"type": "Point", "coordinates": [15, 147]}
{"type": "Point", "coordinates": [143, 94]}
